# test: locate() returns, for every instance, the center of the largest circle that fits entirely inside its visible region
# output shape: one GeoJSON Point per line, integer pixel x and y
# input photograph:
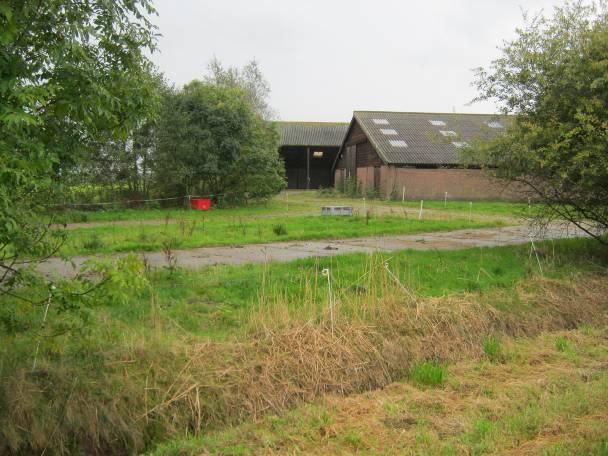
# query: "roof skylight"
{"type": "Point", "coordinates": [380, 121]}
{"type": "Point", "coordinates": [388, 131]}
{"type": "Point", "coordinates": [437, 123]}
{"type": "Point", "coordinates": [448, 133]}
{"type": "Point", "coordinates": [494, 124]}
{"type": "Point", "coordinates": [397, 143]}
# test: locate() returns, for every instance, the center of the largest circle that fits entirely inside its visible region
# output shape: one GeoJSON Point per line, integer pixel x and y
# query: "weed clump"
{"type": "Point", "coordinates": [279, 229]}
{"type": "Point", "coordinates": [492, 349]}
{"type": "Point", "coordinates": [562, 344]}
{"type": "Point", "coordinates": [93, 243]}
{"type": "Point", "coordinates": [428, 373]}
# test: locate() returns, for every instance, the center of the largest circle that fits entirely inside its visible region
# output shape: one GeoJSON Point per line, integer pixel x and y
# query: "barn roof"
{"type": "Point", "coordinates": [312, 133]}
{"type": "Point", "coordinates": [415, 138]}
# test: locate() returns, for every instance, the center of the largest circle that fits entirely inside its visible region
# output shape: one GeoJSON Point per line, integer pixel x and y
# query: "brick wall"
{"type": "Point", "coordinates": [431, 184]}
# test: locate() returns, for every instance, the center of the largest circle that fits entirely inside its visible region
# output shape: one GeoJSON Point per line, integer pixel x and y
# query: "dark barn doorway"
{"type": "Point", "coordinates": [308, 167]}
{"type": "Point", "coordinates": [308, 150]}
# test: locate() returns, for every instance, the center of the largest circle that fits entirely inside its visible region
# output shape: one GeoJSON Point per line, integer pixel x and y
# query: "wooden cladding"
{"type": "Point", "coordinates": [362, 153]}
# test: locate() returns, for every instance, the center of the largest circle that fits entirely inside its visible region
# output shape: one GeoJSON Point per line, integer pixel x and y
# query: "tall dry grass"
{"type": "Point", "coordinates": [151, 388]}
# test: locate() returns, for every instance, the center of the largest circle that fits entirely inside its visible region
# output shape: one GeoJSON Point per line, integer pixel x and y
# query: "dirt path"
{"type": "Point", "coordinates": [293, 250]}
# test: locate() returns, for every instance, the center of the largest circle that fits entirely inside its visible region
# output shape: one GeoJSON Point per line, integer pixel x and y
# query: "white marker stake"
{"type": "Point", "coordinates": [420, 213]}
{"type": "Point", "coordinates": [403, 195]}
{"type": "Point", "coordinates": [470, 211]}
{"type": "Point", "coordinates": [326, 272]}
{"type": "Point", "coordinates": [445, 200]}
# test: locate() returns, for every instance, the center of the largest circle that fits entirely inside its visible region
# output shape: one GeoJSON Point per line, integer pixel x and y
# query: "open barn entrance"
{"type": "Point", "coordinates": [309, 167]}
{"type": "Point", "coordinates": [309, 150]}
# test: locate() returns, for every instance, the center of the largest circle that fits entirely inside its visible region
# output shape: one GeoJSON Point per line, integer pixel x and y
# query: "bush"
{"type": "Point", "coordinates": [279, 229]}
{"type": "Point", "coordinates": [428, 373]}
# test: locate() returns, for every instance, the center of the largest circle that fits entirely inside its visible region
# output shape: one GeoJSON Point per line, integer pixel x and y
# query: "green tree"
{"type": "Point", "coordinates": [249, 78]}
{"type": "Point", "coordinates": [554, 78]}
{"type": "Point", "coordinates": [118, 168]}
{"type": "Point", "coordinates": [210, 141]}
{"type": "Point", "coordinates": [72, 75]}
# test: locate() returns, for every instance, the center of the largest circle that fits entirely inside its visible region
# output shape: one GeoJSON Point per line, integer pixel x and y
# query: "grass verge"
{"type": "Point", "coordinates": [139, 375]}
{"type": "Point", "coordinates": [203, 231]}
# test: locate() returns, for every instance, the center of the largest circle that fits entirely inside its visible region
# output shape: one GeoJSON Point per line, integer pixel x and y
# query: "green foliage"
{"type": "Point", "coordinates": [211, 142]}
{"type": "Point", "coordinates": [492, 348]}
{"type": "Point", "coordinates": [224, 231]}
{"type": "Point", "coordinates": [349, 187]}
{"type": "Point", "coordinates": [72, 74]}
{"type": "Point", "coordinates": [553, 78]}
{"type": "Point", "coordinates": [279, 229]}
{"type": "Point", "coordinates": [428, 373]}
{"type": "Point", "coordinates": [562, 344]}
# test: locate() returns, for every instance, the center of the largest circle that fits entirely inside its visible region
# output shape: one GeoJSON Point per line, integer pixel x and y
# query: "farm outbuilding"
{"type": "Point", "coordinates": [309, 150]}
{"type": "Point", "coordinates": [418, 155]}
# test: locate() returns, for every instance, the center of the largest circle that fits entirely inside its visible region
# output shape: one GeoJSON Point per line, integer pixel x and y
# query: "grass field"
{"type": "Point", "coordinates": [298, 202]}
{"type": "Point", "coordinates": [197, 351]}
{"type": "Point", "coordinates": [203, 231]}
{"type": "Point", "coordinates": [217, 301]}
{"type": "Point", "coordinates": [275, 206]}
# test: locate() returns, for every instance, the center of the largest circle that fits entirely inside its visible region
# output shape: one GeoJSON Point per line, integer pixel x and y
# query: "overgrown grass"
{"type": "Point", "coordinates": [217, 301]}
{"type": "Point", "coordinates": [190, 233]}
{"type": "Point", "coordinates": [428, 373]}
{"type": "Point", "coordinates": [206, 348]}
{"type": "Point", "coordinates": [492, 348]}
{"type": "Point", "coordinates": [539, 402]}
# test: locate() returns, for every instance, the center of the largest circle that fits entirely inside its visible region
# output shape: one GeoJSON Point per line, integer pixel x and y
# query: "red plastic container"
{"type": "Point", "coordinates": [200, 204]}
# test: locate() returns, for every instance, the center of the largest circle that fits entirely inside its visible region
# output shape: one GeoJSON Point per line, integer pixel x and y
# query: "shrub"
{"type": "Point", "coordinates": [279, 229]}
{"type": "Point", "coordinates": [428, 373]}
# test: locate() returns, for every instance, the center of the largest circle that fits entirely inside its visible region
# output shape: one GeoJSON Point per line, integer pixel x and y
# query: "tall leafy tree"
{"type": "Point", "coordinates": [249, 78]}
{"type": "Point", "coordinates": [72, 75]}
{"type": "Point", "coordinates": [554, 78]}
{"type": "Point", "coordinates": [210, 141]}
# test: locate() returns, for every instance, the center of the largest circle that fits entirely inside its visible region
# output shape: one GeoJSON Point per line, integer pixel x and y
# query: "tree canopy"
{"type": "Point", "coordinates": [210, 141]}
{"type": "Point", "coordinates": [72, 75]}
{"type": "Point", "coordinates": [249, 78]}
{"type": "Point", "coordinates": [553, 77]}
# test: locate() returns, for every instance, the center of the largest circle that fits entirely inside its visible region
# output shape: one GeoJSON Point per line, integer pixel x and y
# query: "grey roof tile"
{"type": "Point", "coordinates": [311, 133]}
{"type": "Point", "coordinates": [422, 132]}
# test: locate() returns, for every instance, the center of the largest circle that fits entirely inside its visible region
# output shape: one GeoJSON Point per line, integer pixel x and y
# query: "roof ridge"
{"type": "Point", "coordinates": [311, 122]}
{"type": "Point", "coordinates": [434, 113]}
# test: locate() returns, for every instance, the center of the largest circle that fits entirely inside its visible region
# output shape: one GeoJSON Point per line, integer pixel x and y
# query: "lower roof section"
{"type": "Point", "coordinates": [312, 133]}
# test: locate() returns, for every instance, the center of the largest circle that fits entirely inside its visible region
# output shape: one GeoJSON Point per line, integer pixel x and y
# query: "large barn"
{"type": "Point", "coordinates": [418, 155]}
{"type": "Point", "coordinates": [309, 150]}
{"type": "Point", "coordinates": [395, 154]}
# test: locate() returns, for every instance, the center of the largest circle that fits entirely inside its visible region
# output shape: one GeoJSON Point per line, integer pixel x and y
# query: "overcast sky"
{"type": "Point", "coordinates": [326, 58]}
